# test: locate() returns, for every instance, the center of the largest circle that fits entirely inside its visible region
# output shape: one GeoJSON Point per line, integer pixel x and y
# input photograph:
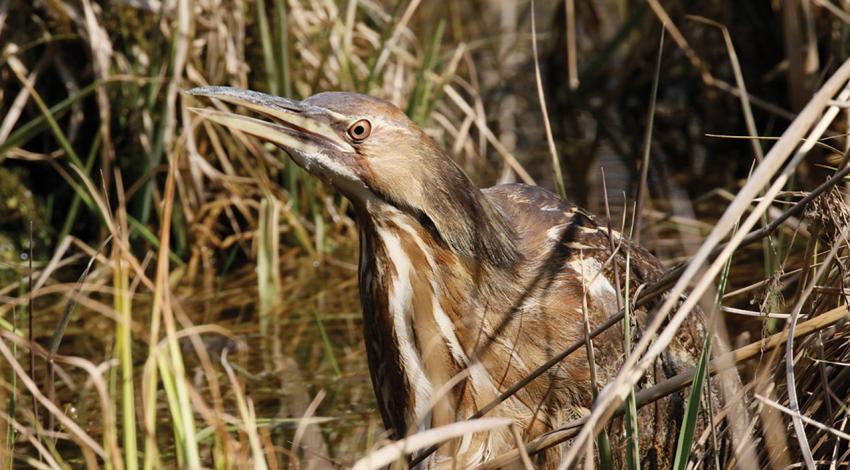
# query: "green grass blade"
{"type": "Point", "coordinates": [689, 420]}
{"type": "Point", "coordinates": [140, 229]}
{"type": "Point", "coordinates": [268, 257]}
{"type": "Point", "coordinates": [630, 417]}
{"type": "Point", "coordinates": [142, 202]}
{"type": "Point", "coordinates": [386, 32]}
{"type": "Point", "coordinates": [169, 384]}
{"type": "Point", "coordinates": [692, 408]}
{"type": "Point", "coordinates": [71, 217]}
{"type": "Point", "coordinates": [268, 48]}
{"type": "Point", "coordinates": [326, 342]}
{"type": "Point", "coordinates": [417, 107]}
{"type": "Point", "coordinates": [38, 125]}
{"type": "Point", "coordinates": [281, 31]}
{"type": "Point", "coordinates": [54, 127]}
{"type": "Point", "coordinates": [603, 446]}
{"type": "Point", "coordinates": [124, 347]}
{"type": "Point", "coordinates": [110, 436]}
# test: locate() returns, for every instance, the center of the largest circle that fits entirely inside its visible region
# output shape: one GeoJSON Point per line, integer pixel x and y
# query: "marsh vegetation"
{"type": "Point", "coordinates": [174, 295]}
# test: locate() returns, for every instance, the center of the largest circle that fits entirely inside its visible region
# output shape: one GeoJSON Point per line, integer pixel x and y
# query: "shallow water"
{"type": "Point", "coordinates": [307, 358]}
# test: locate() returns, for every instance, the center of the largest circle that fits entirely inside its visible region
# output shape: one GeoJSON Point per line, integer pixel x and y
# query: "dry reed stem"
{"type": "Point", "coordinates": [645, 354]}
{"type": "Point", "coordinates": [399, 449]}
{"type": "Point", "coordinates": [678, 382]}
{"type": "Point", "coordinates": [491, 138]}
{"type": "Point", "coordinates": [305, 419]}
{"type": "Point", "coordinates": [805, 449]}
{"type": "Point", "coordinates": [550, 141]}
{"type": "Point", "coordinates": [76, 431]}
{"type": "Point", "coordinates": [222, 33]}
{"type": "Point", "coordinates": [700, 66]}
{"type": "Point", "coordinates": [20, 101]}
{"type": "Point", "coordinates": [803, 418]}
{"type": "Point", "coordinates": [33, 438]}
{"type": "Point", "coordinates": [101, 48]}
{"type": "Point", "coordinates": [248, 416]}
{"type": "Point", "coordinates": [743, 95]}
{"type": "Point", "coordinates": [837, 12]}
{"type": "Point", "coordinates": [572, 51]}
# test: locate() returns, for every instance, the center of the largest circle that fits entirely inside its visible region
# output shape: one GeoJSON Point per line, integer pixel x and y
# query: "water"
{"type": "Point", "coordinates": [305, 359]}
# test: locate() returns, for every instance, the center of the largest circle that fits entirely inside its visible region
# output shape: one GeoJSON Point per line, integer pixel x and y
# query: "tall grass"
{"type": "Point", "coordinates": [171, 349]}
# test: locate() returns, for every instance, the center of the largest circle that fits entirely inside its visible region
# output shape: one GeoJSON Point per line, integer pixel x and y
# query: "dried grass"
{"type": "Point", "coordinates": [172, 253]}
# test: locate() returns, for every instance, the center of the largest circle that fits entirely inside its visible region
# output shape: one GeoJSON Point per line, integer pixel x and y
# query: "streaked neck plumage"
{"type": "Point", "coordinates": [422, 275]}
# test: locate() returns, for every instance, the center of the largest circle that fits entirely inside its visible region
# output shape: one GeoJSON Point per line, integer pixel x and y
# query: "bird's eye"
{"type": "Point", "coordinates": [360, 130]}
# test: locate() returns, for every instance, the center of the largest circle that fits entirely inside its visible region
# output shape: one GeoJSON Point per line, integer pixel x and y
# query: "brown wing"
{"type": "Point", "coordinates": [534, 211]}
{"type": "Point", "coordinates": [556, 236]}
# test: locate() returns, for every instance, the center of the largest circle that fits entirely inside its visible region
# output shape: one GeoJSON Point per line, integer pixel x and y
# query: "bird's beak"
{"type": "Point", "coordinates": [300, 130]}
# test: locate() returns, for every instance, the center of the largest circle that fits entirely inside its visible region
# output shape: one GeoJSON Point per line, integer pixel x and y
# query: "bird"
{"type": "Point", "coordinates": [465, 291]}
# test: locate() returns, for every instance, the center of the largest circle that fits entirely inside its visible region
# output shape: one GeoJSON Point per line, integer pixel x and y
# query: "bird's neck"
{"type": "Point", "coordinates": [420, 300]}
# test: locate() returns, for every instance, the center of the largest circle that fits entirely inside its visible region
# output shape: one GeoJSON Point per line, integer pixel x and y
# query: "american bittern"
{"type": "Point", "coordinates": [489, 283]}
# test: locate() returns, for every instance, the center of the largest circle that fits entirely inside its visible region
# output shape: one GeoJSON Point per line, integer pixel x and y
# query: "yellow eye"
{"type": "Point", "coordinates": [360, 130]}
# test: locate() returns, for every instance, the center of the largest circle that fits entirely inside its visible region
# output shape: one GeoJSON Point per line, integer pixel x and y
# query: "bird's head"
{"type": "Point", "coordinates": [363, 146]}
{"type": "Point", "coordinates": [374, 154]}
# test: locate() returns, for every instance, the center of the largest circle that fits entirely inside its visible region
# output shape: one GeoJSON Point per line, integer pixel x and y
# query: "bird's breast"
{"type": "Point", "coordinates": [405, 294]}
{"type": "Point", "coordinates": [408, 318]}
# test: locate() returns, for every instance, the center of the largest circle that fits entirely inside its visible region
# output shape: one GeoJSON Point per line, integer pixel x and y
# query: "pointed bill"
{"type": "Point", "coordinates": [277, 134]}
{"type": "Point", "coordinates": [284, 112]}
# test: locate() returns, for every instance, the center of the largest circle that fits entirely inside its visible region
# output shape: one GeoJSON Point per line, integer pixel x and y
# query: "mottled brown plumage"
{"type": "Point", "coordinates": [477, 287]}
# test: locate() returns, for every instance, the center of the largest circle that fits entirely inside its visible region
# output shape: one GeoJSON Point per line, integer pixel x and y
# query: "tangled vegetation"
{"type": "Point", "coordinates": [172, 294]}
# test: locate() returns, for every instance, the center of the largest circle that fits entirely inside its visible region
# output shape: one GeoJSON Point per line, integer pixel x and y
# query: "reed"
{"type": "Point", "coordinates": [193, 296]}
